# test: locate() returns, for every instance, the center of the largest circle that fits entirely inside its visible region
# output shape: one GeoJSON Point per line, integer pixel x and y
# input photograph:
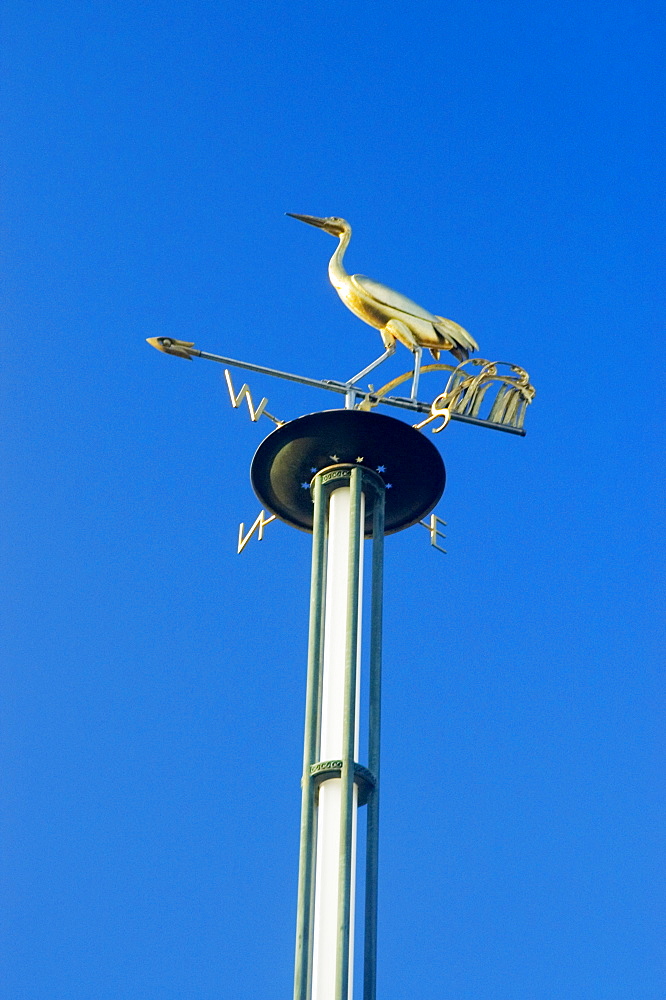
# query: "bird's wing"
{"type": "Point", "coordinates": [390, 298]}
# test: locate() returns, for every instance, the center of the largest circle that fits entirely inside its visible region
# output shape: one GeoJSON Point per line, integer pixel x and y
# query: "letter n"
{"type": "Point", "coordinates": [258, 526]}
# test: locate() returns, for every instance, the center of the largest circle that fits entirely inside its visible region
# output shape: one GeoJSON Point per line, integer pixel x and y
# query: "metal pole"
{"type": "Point", "coordinates": [303, 969]}
{"type": "Point", "coordinates": [335, 784]}
{"type": "Point", "coordinates": [335, 869]}
{"type": "Point", "coordinates": [374, 734]}
{"type": "Point", "coordinates": [348, 805]}
{"type": "Point", "coordinates": [330, 794]}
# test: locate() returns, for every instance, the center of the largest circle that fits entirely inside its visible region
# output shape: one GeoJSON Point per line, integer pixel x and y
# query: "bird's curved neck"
{"type": "Point", "coordinates": [336, 271]}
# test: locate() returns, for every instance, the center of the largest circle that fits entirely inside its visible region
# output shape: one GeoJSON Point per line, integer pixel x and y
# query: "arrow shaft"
{"type": "Point", "coordinates": [340, 387]}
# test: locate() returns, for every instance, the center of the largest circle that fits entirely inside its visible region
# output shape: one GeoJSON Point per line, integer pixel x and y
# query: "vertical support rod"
{"type": "Point", "coordinates": [349, 732]}
{"type": "Point", "coordinates": [304, 915]}
{"type": "Point", "coordinates": [374, 733]}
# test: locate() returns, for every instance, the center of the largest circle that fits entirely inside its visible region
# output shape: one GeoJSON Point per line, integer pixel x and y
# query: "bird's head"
{"type": "Point", "coordinates": [332, 224]}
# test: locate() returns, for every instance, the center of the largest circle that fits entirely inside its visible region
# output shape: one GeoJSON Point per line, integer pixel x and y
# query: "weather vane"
{"type": "Point", "coordinates": [346, 475]}
{"type": "Point", "coordinates": [399, 319]}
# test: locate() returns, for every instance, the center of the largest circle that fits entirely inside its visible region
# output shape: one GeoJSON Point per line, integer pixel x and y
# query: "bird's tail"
{"type": "Point", "coordinates": [458, 352]}
{"type": "Point", "coordinates": [462, 342]}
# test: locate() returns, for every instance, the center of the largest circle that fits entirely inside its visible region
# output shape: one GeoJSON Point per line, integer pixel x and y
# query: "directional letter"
{"type": "Point", "coordinates": [258, 526]}
{"type": "Point", "coordinates": [435, 533]}
{"type": "Point", "coordinates": [236, 400]}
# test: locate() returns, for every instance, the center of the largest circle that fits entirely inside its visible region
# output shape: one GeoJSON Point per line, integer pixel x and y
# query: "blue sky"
{"type": "Point", "coordinates": [499, 165]}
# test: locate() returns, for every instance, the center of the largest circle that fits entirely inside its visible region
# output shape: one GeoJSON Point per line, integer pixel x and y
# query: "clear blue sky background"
{"type": "Point", "coordinates": [499, 165]}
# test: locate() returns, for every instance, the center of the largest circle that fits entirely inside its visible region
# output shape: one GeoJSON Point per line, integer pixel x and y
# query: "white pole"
{"type": "Point", "coordinates": [336, 626]}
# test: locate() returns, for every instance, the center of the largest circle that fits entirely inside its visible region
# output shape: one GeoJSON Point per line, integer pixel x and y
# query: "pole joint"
{"type": "Point", "coordinates": [364, 779]}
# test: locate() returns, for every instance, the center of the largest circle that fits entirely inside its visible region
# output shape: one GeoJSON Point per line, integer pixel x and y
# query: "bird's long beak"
{"type": "Point", "coordinates": [311, 220]}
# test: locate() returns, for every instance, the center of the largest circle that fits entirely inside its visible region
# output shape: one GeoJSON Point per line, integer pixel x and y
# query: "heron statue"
{"type": "Point", "coordinates": [395, 316]}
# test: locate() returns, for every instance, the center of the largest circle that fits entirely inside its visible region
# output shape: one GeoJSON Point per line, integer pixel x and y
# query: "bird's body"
{"type": "Point", "coordinates": [389, 312]}
{"type": "Point", "coordinates": [393, 314]}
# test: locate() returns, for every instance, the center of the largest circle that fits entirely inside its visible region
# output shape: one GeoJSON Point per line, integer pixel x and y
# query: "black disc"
{"type": "Point", "coordinates": [407, 461]}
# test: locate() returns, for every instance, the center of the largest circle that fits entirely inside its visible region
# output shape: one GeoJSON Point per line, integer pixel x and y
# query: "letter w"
{"type": "Point", "coordinates": [236, 400]}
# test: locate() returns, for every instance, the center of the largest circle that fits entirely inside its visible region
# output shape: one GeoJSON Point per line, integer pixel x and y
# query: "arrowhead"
{"type": "Point", "coordinates": [181, 348]}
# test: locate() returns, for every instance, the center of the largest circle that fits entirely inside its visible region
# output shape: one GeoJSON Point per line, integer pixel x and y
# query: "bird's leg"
{"type": "Point", "coordinates": [387, 354]}
{"type": "Point", "coordinates": [418, 351]}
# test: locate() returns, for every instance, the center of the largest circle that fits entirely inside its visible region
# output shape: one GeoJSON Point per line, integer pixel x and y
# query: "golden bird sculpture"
{"type": "Point", "coordinates": [395, 316]}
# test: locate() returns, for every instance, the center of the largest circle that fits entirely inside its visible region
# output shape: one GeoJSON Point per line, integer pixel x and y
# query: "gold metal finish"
{"type": "Point", "coordinates": [168, 345]}
{"type": "Point", "coordinates": [466, 391]}
{"type": "Point", "coordinates": [394, 315]}
{"type": "Point", "coordinates": [258, 526]}
{"type": "Point", "coordinates": [437, 409]}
